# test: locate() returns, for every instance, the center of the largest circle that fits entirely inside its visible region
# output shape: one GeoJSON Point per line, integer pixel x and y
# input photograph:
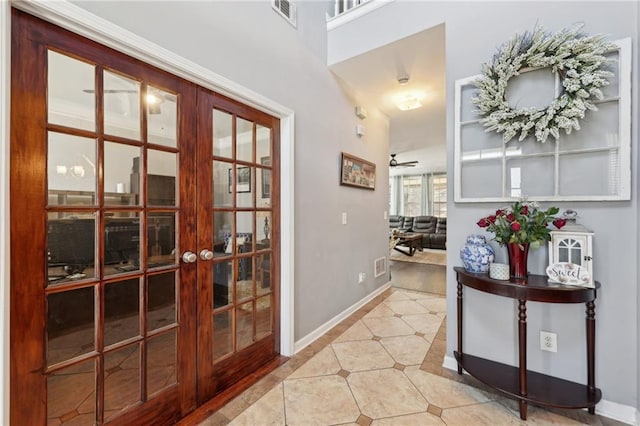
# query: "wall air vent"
{"type": "Point", "coordinates": [287, 9]}
{"type": "Point", "coordinates": [379, 266]}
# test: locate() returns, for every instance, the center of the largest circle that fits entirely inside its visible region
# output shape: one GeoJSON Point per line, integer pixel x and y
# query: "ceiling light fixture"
{"type": "Point", "coordinates": [403, 80]}
{"type": "Point", "coordinates": [408, 102]}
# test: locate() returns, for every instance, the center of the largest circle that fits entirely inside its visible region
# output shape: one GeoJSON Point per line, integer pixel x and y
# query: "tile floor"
{"type": "Point", "coordinates": [381, 366]}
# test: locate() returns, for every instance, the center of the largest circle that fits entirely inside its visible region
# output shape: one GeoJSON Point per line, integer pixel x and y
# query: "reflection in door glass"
{"type": "Point", "coordinates": [161, 300]}
{"type": "Point", "coordinates": [222, 132]}
{"type": "Point", "coordinates": [263, 230]}
{"type": "Point", "coordinates": [161, 362]}
{"type": "Point", "coordinates": [121, 106]}
{"type": "Point", "coordinates": [71, 97]}
{"type": "Point", "coordinates": [161, 178]}
{"type": "Point", "coordinates": [244, 224]}
{"type": "Point", "coordinates": [222, 335]}
{"type": "Point", "coordinates": [162, 117]}
{"type": "Point", "coordinates": [121, 380]}
{"type": "Point", "coordinates": [70, 324]}
{"type": "Point", "coordinates": [118, 159]}
{"type": "Point", "coordinates": [71, 169]}
{"type": "Point", "coordinates": [222, 284]}
{"type": "Point", "coordinates": [244, 325]}
{"type": "Point", "coordinates": [245, 186]}
{"type": "Point", "coordinates": [161, 244]}
{"type": "Point", "coordinates": [71, 242]}
{"type": "Point", "coordinates": [263, 317]}
{"type": "Point", "coordinates": [222, 184]}
{"type": "Point", "coordinates": [244, 140]}
{"type": "Point", "coordinates": [121, 311]}
{"type": "Point", "coordinates": [77, 407]}
{"type": "Point", "coordinates": [223, 244]}
{"type": "Point", "coordinates": [121, 243]}
{"type": "Point", "coordinates": [263, 144]}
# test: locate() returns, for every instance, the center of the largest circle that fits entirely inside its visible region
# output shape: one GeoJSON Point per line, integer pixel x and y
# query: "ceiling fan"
{"type": "Point", "coordinates": [394, 162]}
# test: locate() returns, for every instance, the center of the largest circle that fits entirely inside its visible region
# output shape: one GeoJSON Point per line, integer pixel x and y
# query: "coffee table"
{"type": "Point", "coordinates": [413, 241]}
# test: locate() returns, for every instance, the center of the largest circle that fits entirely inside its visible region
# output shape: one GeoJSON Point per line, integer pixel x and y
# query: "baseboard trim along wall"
{"type": "Point", "coordinates": [613, 410]}
{"type": "Point", "coordinates": [320, 331]}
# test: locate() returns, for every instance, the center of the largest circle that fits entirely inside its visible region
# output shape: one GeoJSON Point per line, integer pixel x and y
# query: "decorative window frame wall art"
{"type": "Point", "coordinates": [590, 164]}
{"type": "Point", "coordinates": [357, 172]}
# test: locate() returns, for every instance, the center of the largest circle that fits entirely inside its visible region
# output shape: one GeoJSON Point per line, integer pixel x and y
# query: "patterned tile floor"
{"type": "Point", "coordinates": [381, 366]}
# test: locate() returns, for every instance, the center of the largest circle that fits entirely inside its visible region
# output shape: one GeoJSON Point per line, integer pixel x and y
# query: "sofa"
{"type": "Point", "coordinates": [433, 229]}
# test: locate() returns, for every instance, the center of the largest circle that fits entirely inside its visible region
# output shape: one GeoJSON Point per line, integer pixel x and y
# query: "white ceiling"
{"type": "Point", "coordinates": [419, 134]}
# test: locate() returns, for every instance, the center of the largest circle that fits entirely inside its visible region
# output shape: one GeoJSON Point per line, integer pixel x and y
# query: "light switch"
{"type": "Point", "coordinates": [344, 218]}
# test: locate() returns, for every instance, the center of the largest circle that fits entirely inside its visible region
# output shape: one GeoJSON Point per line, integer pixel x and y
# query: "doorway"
{"type": "Point", "coordinates": [148, 210]}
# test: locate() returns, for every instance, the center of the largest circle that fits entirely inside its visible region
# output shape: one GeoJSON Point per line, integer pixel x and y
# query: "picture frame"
{"type": "Point", "coordinates": [265, 177]}
{"type": "Point", "coordinates": [243, 180]}
{"type": "Point", "coordinates": [357, 172]}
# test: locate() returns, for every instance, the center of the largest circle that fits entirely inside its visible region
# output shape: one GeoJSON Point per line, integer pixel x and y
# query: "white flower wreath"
{"type": "Point", "coordinates": [577, 58]}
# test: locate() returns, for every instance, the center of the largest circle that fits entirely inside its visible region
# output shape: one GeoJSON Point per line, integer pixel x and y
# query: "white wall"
{"type": "Point", "coordinates": [474, 30]}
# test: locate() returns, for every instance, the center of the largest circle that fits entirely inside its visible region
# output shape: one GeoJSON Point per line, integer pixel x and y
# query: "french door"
{"type": "Point", "coordinates": [144, 224]}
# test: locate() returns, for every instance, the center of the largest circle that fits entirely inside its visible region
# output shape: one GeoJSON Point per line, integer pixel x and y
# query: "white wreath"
{"type": "Point", "coordinates": [577, 58]}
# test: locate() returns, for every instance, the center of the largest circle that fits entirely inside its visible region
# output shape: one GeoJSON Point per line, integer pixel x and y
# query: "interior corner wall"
{"type": "Point", "coordinates": [250, 44]}
{"type": "Point", "coordinates": [474, 31]}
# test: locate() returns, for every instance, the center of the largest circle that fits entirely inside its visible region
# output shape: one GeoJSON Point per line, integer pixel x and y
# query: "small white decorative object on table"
{"type": "Point", "coordinates": [499, 271]}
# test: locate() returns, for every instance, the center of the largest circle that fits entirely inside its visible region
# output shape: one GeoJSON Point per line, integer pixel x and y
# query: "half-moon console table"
{"type": "Point", "coordinates": [518, 382]}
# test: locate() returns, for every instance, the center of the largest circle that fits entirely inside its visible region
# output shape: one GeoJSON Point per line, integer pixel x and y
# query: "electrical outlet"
{"type": "Point", "coordinates": [361, 277]}
{"type": "Point", "coordinates": [548, 341]}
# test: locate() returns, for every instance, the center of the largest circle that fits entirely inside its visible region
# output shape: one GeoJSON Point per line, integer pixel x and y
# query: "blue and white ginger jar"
{"type": "Point", "coordinates": [476, 254]}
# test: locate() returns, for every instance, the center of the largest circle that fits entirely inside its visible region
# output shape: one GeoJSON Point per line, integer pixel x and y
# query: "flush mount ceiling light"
{"type": "Point", "coordinates": [408, 102]}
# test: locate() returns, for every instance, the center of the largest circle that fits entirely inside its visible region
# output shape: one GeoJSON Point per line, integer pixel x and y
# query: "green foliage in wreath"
{"type": "Point", "coordinates": [580, 63]}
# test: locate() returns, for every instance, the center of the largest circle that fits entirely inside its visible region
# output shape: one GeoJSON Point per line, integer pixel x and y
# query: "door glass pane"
{"type": "Point", "coordinates": [71, 172]}
{"type": "Point", "coordinates": [263, 317]}
{"type": "Point", "coordinates": [121, 243]}
{"type": "Point", "coordinates": [71, 246]}
{"type": "Point", "coordinates": [263, 230]}
{"type": "Point", "coordinates": [264, 184]}
{"type": "Point", "coordinates": [222, 231]}
{"type": "Point", "coordinates": [244, 287]}
{"type": "Point", "coordinates": [244, 325]}
{"type": "Point", "coordinates": [263, 273]}
{"type": "Point", "coordinates": [244, 140]}
{"type": "Point", "coordinates": [76, 407]}
{"type": "Point", "coordinates": [222, 132]}
{"type": "Point", "coordinates": [71, 97]}
{"type": "Point", "coordinates": [222, 337]}
{"type": "Point", "coordinates": [244, 234]}
{"type": "Point", "coordinates": [161, 300]}
{"type": "Point", "coordinates": [162, 117]}
{"type": "Point", "coordinates": [121, 380]}
{"type": "Point", "coordinates": [161, 239]}
{"type": "Point", "coordinates": [222, 184]}
{"type": "Point", "coordinates": [263, 144]}
{"type": "Point", "coordinates": [161, 178]}
{"type": "Point", "coordinates": [70, 324]}
{"type": "Point", "coordinates": [121, 311]}
{"type": "Point", "coordinates": [222, 284]}
{"type": "Point", "coordinates": [161, 362]}
{"type": "Point", "coordinates": [121, 106]}
{"type": "Point", "coordinates": [244, 186]}
{"type": "Point", "coordinates": [118, 159]}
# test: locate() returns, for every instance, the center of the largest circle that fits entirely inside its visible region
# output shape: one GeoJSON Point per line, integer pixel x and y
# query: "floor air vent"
{"type": "Point", "coordinates": [287, 9]}
{"type": "Point", "coordinates": [379, 266]}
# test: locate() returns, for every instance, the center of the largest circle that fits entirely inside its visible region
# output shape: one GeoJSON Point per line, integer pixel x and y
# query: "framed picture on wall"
{"type": "Point", "coordinates": [357, 172]}
{"type": "Point", "coordinates": [266, 177]}
{"type": "Point", "coordinates": [243, 180]}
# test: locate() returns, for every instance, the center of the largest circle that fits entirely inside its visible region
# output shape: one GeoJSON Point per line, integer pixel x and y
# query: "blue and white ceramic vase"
{"type": "Point", "coordinates": [476, 254]}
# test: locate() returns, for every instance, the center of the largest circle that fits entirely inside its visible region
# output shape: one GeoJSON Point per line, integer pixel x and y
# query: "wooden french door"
{"type": "Point", "coordinates": [144, 229]}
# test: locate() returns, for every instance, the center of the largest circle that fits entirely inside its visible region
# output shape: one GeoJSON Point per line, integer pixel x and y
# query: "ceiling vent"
{"type": "Point", "coordinates": [287, 9]}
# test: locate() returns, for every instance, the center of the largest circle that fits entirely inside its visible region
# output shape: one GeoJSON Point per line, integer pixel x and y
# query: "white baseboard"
{"type": "Point", "coordinates": [622, 413]}
{"type": "Point", "coordinates": [320, 331]}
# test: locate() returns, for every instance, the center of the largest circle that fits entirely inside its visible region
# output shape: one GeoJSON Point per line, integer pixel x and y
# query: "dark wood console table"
{"type": "Point", "coordinates": [517, 382]}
